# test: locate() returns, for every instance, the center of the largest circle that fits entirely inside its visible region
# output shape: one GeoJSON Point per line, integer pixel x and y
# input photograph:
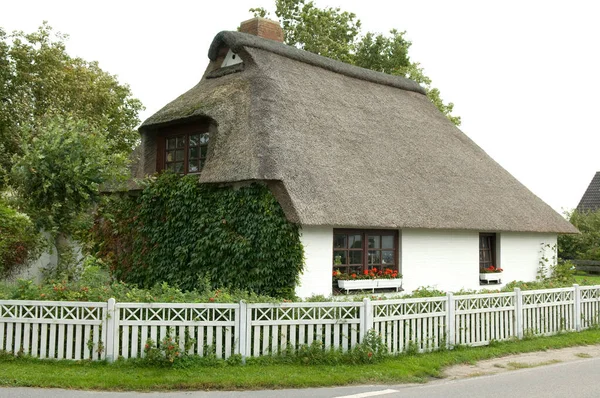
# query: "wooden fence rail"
{"type": "Point", "coordinates": [96, 331]}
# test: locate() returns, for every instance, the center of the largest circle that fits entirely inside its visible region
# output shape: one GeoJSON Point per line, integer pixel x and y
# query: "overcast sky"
{"type": "Point", "coordinates": [523, 75]}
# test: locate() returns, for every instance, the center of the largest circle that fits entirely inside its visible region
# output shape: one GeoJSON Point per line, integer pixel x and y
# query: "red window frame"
{"type": "Point", "coordinates": [193, 151]}
{"type": "Point", "coordinates": [359, 256]}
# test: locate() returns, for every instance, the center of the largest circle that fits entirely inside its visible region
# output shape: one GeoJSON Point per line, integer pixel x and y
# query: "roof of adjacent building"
{"type": "Point", "coordinates": [590, 201]}
{"type": "Point", "coordinates": [348, 147]}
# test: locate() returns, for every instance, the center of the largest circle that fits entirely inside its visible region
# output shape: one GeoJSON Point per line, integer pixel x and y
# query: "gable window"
{"type": "Point", "coordinates": [356, 251]}
{"type": "Point", "coordinates": [183, 149]}
{"type": "Point", "coordinates": [487, 251]}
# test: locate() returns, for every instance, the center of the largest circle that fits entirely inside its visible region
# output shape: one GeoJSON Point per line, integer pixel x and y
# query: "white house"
{"type": "Point", "coordinates": [374, 174]}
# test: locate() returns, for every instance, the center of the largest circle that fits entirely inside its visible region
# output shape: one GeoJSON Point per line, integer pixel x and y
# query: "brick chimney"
{"type": "Point", "coordinates": [264, 28]}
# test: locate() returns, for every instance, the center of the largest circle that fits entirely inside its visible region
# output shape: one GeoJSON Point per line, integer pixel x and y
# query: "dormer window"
{"type": "Point", "coordinates": [183, 149]}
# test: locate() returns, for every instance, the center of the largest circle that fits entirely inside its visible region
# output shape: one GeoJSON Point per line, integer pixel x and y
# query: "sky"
{"type": "Point", "coordinates": [523, 75]}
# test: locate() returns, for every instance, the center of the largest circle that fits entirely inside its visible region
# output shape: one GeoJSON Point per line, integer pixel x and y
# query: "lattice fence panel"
{"type": "Point", "coordinates": [547, 312]}
{"type": "Point", "coordinates": [207, 328]}
{"type": "Point", "coordinates": [56, 330]}
{"type": "Point", "coordinates": [481, 318]}
{"type": "Point", "coordinates": [411, 323]}
{"type": "Point", "coordinates": [275, 328]}
{"type": "Point", "coordinates": [590, 306]}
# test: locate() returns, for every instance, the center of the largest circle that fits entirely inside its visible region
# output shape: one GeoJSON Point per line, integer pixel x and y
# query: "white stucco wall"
{"type": "Point", "coordinates": [520, 254]}
{"type": "Point", "coordinates": [318, 255]}
{"type": "Point", "coordinates": [446, 260]}
{"type": "Point", "coordinates": [442, 259]}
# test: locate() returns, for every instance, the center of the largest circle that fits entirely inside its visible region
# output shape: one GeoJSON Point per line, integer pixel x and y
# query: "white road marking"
{"type": "Point", "coordinates": [368, 394]}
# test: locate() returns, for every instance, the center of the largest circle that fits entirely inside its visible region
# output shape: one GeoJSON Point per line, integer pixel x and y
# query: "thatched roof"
{"type": "Point", "coordinates": [348, 147]}
{"type": "Point", "coordinates": [590, 201]}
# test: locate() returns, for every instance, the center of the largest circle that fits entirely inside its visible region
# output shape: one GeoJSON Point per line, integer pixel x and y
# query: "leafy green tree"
{"type": "Point", "coordinates": [66, 126]}
{"type": "Point", "coordinates": [585, 246]}
{"type": "Point", "coordinates": [57, 177]}
{"type": "Point", "coordinates": [59, 172]}
{"type": "Point", "coordinates": [335, 34]}
{"type": "Point", "coordinates": [38, 77]}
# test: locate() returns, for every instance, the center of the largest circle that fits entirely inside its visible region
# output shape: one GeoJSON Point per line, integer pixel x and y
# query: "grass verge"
{"type": "Point", "coordinates": [131, 375]}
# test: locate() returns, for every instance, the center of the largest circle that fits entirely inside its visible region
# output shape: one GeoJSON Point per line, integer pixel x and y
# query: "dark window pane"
{"type": "Point", "coordinates": [356, 256]}
{"type": "Point", "coordinates": [171, 142]}
{"type": "Point", "coordinates": [203, 150]}
{"type": "Point", "coordinates": [374, 257]}
{"type": "Point", "coordinates": [355, 270]}
{"type": "Point", "coordinates": [194, 152]}
{"type": "Point", "coordinates": [204, 139]}
{"type": "Point", "coordinates": [374, 242]}
{"type": "Point", "coordinates": [171, 166]}
{"type": "Point", "coordinates": [339, 241]}
{"type": "Point", "coordinates": [193, 166]}
{"type": "Point", "coordinates": [355, 241]}
{"type": "Point", "coordinates": [178, 167]}
{"type": "Point", "coordinates": [387, 242]}
{"type": "Point", "coordinates": [179, 155]}
{"type": "Point", "coordinates": [339, 258]}
{"type": "Point", "coordinates": [194, 139]}
{"type": "Point", "coordinates": [181, 142]}
{"type": "Point", "coordinates": [387, 257]}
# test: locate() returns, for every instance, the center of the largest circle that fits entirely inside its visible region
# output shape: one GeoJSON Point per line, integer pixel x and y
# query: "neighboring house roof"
{"type": "Point", "coordinates": [590, 201]}
{"type": "Point", "coordinates": [349, 147]}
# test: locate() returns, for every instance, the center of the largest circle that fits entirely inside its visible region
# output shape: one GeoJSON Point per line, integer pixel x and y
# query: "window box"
{"type": "Point", "coordinates": [491, 277]}
{"type": "Point", "coordinates": [370, 284]}
{"type": "Point", "coordinates": [389, 283]}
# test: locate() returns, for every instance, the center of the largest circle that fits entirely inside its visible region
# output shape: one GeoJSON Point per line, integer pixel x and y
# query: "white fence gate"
{"type": "Point", "coordinates": [85, 330]}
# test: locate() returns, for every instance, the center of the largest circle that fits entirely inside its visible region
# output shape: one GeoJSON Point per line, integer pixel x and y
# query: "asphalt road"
{"type": "Point", "coordinates": [573, 379]}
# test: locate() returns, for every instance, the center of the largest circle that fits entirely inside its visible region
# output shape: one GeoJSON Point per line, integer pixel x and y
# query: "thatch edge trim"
{"type": "Point", "coordinates": [237, 40]}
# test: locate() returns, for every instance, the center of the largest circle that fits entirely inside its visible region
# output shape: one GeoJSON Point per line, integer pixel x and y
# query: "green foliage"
{"type": "Point", "coordinates": [371, 350]}
{"type": "Point", "coordinates": [66, 126]}
{"type": "Point", "coordinates": [60, 170]}
{"type": "Point", "coordinates": [170, 351]}
{"type": "Point", "coordinates": [181, 232]}
{"type": "Point", "coordinates": [335, 34]}
{"type": "Point", "coordinates": [38, 78]}
{"type": "Point", "coordinates": [19, 240]}
{"type": "Point", "coordinates": [584, 246]}
{"type": "Point", "coordinates": [96, 285]}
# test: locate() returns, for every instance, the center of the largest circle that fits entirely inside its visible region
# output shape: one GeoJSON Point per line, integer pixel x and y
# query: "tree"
{"type": "Point", "coordinates": [335, 34]}
{"type": "Point", "coordinates": [38, 77]}
{"type": "Point", "coordinates": [66, 127]}
{"type": "Point", "coordinates": [584, 246]}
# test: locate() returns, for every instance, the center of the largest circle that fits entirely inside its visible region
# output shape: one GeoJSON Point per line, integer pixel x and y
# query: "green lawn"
{"type": "Point", "coordinates": [585, 278]}
{"type": "Point", "coordinates": [130, 376]}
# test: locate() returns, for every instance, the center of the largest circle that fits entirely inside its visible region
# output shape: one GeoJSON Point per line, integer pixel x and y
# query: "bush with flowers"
{"type": "Point", "coordinates": [373, 273]}
{"type": "Point", "coordinates": [490, 270]}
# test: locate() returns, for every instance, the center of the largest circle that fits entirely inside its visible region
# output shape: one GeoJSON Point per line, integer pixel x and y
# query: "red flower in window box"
{"type": "Point", "coordinates": [490, 270]}
{"type": "Point", "coordinates": [387, 273]}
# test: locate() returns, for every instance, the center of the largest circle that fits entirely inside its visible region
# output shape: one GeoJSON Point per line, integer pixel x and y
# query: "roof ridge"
{"type": "Point", "coordinates": [237, 40]}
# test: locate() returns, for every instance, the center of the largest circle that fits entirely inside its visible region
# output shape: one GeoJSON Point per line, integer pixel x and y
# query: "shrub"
{"type": "Point", "coordinates": [19, 240]}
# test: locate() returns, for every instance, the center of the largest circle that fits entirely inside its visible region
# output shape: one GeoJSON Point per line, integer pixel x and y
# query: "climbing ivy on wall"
{"type": "Point", "coordinates": [184, 233]}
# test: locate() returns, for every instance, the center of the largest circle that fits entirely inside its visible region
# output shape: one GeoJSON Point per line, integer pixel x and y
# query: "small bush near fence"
{"type": "Point", "coordinates": [96, 285]}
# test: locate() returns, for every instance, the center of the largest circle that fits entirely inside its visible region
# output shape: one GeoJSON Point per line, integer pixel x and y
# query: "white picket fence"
{"type": "Point", "coordinates": [85, 330]}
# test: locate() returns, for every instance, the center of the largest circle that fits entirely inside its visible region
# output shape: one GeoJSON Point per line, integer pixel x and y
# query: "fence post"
{"type": "Point", "coordinates": [367, 321]}
{"type": "Point", "coordinates": [519, 313]}
{"type": "Point", "coordinates": [577, 312]}
{"type": "Point", "coordinates": [241, 330]}
{"type": "Point", "coordinates": [450, 321]}
{"type": "Point", "coordinates": [109, 333]}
